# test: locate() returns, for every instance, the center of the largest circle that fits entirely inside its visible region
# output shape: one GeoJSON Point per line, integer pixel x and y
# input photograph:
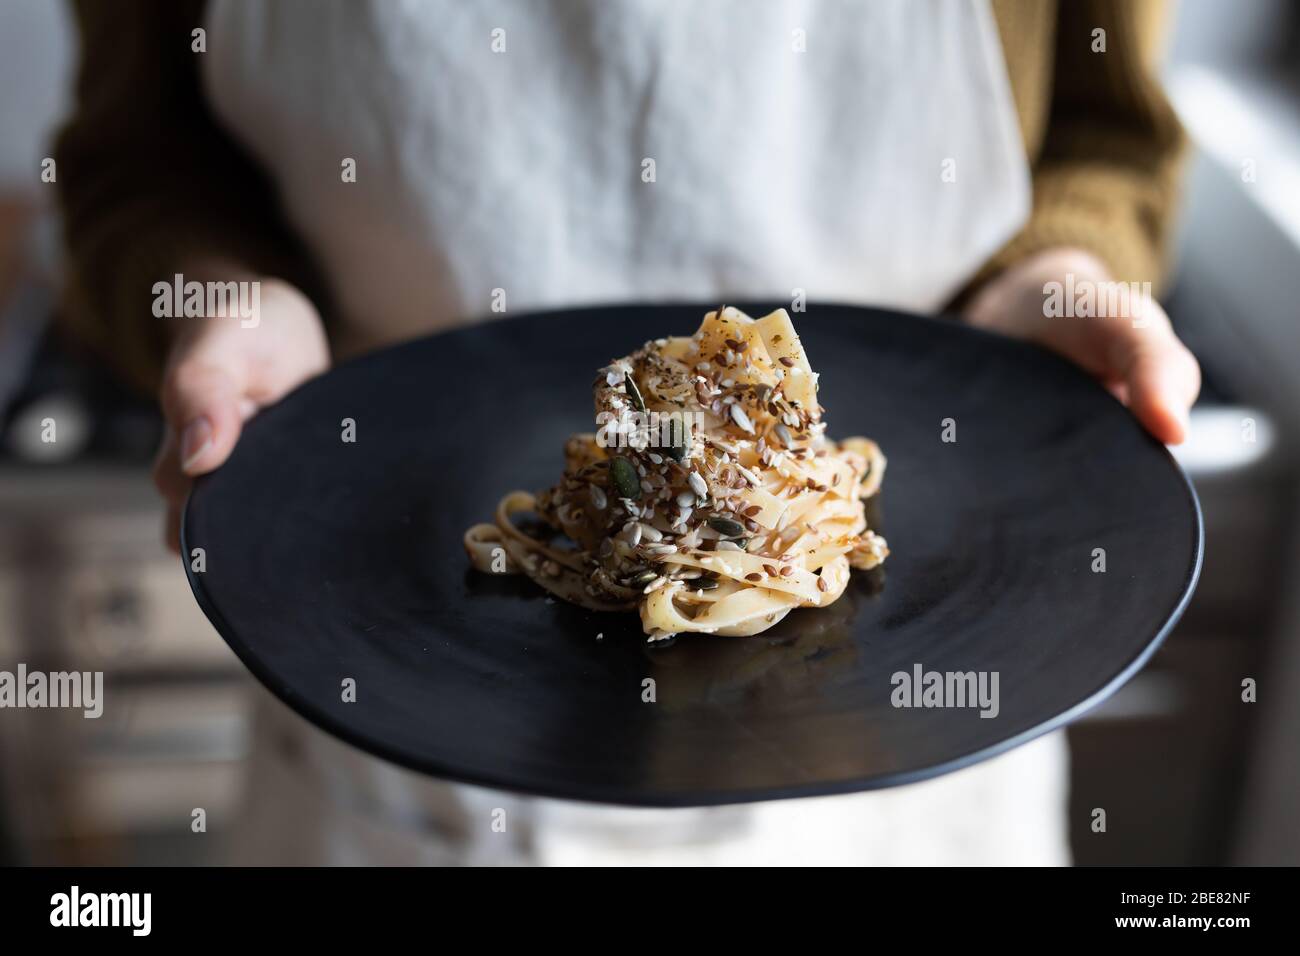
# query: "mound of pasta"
{"type": "Point", "coordinates": [709, 499]}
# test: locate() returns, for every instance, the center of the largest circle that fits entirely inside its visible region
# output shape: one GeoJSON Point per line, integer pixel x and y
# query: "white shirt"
{"type": "Point", "coordinates": [860, 152]}
{"type": "Point", "coordinates": [564, 152]}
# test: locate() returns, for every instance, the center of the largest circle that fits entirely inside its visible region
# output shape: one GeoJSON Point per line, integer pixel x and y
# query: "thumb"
{"type": "Point", "coordinates": [204, 405]}
{"type": "Point", "coordinates": [1162, 380]}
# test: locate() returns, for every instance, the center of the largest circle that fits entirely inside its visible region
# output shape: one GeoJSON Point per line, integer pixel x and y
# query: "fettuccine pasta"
{"type": "Point", "coordinates": [710, 500]}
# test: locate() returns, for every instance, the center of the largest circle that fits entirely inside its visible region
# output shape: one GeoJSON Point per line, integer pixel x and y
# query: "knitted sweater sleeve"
{"type": "Point", "coordinates": [149, 184]}
{"type": "Point", "coordinates": [1105, 171]}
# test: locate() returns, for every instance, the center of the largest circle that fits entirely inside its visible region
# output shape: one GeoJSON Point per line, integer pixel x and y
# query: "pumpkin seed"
{"type": "Point", "coordinates": [727, 527]}
{"type": "Point", "coordinates": [679, 439]}
{"type": "Point", "coordinates": [626, 481]}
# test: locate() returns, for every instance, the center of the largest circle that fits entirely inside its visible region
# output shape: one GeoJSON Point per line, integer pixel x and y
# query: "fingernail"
{"type": "Point", "coordinates": [195, 440]}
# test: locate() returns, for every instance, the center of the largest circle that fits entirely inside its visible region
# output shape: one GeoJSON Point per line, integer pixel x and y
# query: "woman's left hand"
{"type": "Point", "coordinates": [1134, 353]}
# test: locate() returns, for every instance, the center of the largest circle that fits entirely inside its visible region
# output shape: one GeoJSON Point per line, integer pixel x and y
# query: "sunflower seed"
{"type": "Point", "coordinates": [634, 393]}
{"type": "Point", "coordinates": [741, 419]}
{"type": "Point", "coordinates": [598, 499]}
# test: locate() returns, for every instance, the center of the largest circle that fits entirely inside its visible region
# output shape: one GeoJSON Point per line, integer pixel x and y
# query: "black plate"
{"type": "Point", "coordinates": [329, 560]}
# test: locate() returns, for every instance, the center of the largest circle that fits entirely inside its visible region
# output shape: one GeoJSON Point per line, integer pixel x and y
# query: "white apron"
{"type": "Point", "coordinates": [547, 153]}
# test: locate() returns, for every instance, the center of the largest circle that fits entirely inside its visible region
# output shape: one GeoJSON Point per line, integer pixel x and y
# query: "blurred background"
{"type": "Point", "coordinates": [1188, 773]}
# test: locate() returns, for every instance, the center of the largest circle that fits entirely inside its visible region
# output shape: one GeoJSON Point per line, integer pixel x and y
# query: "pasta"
{"type": "Point", "coordinates": [709, 499]}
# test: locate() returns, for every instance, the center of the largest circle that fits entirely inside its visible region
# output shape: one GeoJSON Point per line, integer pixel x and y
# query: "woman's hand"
{"type": "Point", "coordinates": [219, 373]}
{"type": "Point", "coordinates": [1135, 354]}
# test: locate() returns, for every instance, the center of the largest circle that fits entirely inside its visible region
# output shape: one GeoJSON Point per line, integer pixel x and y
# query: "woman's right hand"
{"type": "Point", "coordinates": [219, 374]}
